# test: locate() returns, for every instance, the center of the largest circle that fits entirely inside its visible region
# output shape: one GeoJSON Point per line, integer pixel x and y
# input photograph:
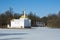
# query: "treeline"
{"type": "Point", "coordinates": [9, 15]}
{"type": "Point", "coordinates": [52, 20]}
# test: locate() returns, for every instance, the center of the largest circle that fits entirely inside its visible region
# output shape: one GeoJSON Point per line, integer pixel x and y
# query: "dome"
{"type": "Point", "coordinates": [23, 16]}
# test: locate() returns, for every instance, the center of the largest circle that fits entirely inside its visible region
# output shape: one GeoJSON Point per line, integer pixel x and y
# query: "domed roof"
{"type": "Point", "coordinates": [24, 16]}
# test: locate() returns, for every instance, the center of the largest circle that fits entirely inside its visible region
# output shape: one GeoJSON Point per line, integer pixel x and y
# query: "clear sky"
{"type": "Point", "coordinates": [40, 7]}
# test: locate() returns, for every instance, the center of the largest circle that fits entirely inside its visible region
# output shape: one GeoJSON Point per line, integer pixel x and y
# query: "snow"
{"type": "Point", "coordinates": [36, 33]}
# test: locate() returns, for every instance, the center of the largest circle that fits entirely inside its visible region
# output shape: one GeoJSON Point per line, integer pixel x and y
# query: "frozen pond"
{"type": "Point", "coordinates": [38, 33]}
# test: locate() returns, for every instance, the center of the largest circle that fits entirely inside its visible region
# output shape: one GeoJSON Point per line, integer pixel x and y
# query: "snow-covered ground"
{"type": "Point", "coordinates": [37, 33]}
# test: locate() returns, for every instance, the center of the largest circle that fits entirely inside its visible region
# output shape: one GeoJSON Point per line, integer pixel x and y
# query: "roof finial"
{"type": "Point", "coordinates": [24, 12]}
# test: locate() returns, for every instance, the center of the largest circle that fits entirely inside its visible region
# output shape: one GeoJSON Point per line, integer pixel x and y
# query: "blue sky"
{"type": "Point", "coordinates": [39, 7]}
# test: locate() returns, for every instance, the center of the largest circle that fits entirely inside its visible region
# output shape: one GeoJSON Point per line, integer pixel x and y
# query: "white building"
{"type": "Point", "coordinates": [22, 22]}
{"type": "Point", "coordinates": [41, 24]}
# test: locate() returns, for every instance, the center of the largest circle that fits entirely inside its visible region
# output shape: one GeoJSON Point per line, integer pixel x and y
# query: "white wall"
{"type": "Point", "coordinates": [15, 23]}
{"type": "Point", "coordinates": [27, 23]}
